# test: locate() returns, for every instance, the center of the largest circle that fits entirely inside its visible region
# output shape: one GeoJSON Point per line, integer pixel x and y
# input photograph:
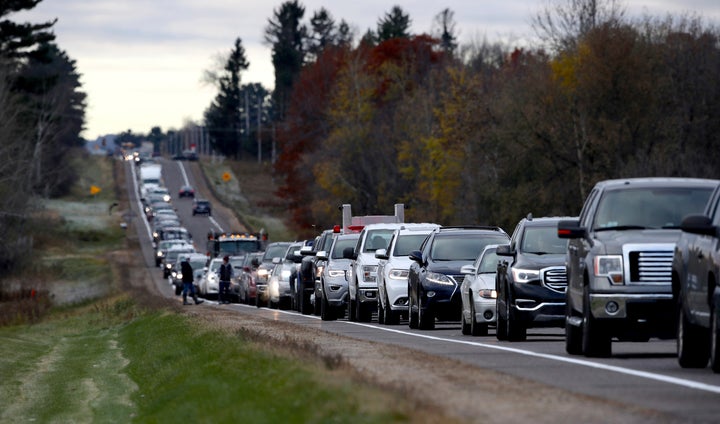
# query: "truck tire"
{"type": "Point", "coordinates": [391, 317]}
{"type": "Point", "coordinates": [351, 310]}
{"type": "Point", "coordinates": [573, 334]}
{"type": "Point", "coordinates": [714, 336]}
{"type": "Point", "coordinates": [595, 341]}
{"type": "Point", "coordinates": [364, 313]}
{"type": "Point", "coordinates": [381, 312]}
{"type": "Point", "coordinates": [326, 312]}
{"type": "Point", "coordinates": [693, 347]}
{"type": "Point", "coordinates": [515, 331]}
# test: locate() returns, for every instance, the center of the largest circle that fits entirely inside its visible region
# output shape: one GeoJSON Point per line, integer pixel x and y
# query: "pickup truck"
{"type": "Point", "coordinates": [619, 260]}
{"type": "Point", "coordinates": [695, 271]}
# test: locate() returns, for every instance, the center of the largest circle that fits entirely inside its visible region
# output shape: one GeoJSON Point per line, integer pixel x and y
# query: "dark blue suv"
{"type": "Point", "coordinates": [434, 279]}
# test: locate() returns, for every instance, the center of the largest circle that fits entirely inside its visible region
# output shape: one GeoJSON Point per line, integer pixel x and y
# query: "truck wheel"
{"type": "Point", "coordinates": [364, 312]}
{"type": "Point", "coordinates": [351, 310]}
{"type": "Point", "coordinates": [595, 341]}
{"type": "Point", "coordinates": [391, 317]}
{"type": "Point", "coordinates": [573, 334]}
{"type": "Point", "coordinates": [516, 332]}
{"type": "Point", "coordinates": [693, 347]}
{"type": "Point", "coordinates": [476, 329]}
{"type": "Point", "coordinates": [714, 335]}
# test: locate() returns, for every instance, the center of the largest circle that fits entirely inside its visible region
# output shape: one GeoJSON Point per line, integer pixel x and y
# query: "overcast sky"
{"type": "Point", "coordinates": [142, 61]}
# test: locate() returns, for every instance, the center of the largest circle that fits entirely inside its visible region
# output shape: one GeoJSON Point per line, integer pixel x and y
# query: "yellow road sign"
{"type": "Point", "coordinates": [226, 176]}
{"type": "Point", "coordinates": [94, 190]}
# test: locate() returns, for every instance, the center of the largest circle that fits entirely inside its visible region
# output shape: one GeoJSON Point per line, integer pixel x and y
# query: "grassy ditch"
{"type": "Point", "coordinates": [110, 362]}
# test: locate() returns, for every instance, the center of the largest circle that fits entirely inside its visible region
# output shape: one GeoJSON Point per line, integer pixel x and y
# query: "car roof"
{"type": "Point", "coordinates": [657, 181]}
{"type": "Point", "coordinates": [417, 228]}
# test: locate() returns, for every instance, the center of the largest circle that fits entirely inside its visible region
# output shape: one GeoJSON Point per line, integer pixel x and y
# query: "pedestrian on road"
{"type": "Point", "coordinates": [225, 274]}
{"type": "Point", "coordinates": [187, 279]}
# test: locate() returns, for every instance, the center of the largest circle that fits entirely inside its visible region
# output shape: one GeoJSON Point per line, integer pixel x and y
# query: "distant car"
{"type": "Point", "coordinates": [276, 249]}
{"type": "Point", "coordinates": [434, 279]}
{"type": "Point", "coordinates": [393, 267]}
{"type": "Point", "coordinates": [278, 286]}
{"type": "Point", "coordinates": [248, 277]}
{"type": "Point", "coordinates": [164, 245]}
{"type": "Point", "coordinates": [186, 191]}
{"type": "Point", "coordinates": [171, 257]}
{"type": "Point", "coordinates": [531, 279]}
{"type": "Point", "coordinates": [209, 284]}
{"type": "Point", "coordinates": [237, 263]}
{"type": "Point", "coordinates": [333, 282]}
{"type": "Point", "coordinates": [198, 261]}
{"type": "Point", "coordinates": [478, 294]}
{"type": "Point", "coordinates": [201, 207]}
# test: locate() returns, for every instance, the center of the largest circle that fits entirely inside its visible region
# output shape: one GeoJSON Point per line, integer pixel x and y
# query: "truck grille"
{"type": "Point", "coordinates": [555, 278]}
{"type": "Point", "coordinates": [651, 267]}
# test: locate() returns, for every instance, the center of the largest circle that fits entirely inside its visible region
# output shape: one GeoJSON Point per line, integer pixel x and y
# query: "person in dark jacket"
{"type": "Point", "coordinates": [225, 274]}
{"type": "Point", "coordinates": [187, 279]}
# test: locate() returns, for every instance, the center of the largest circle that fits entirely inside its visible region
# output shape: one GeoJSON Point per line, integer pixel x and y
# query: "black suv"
{"type": "Point", "coordinates": [619, 260]}
{"type": "Point", "coordinates": [531, 279]}
{"type": "Point", "coordinates": [434, 278]}
{"type": "Point", "coordinates": [201, 207]}
{"type": "Point", "coordinates": [696, 268]}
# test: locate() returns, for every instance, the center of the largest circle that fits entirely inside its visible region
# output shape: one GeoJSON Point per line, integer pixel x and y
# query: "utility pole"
{"type": "Point", "coordinates": [259, 125]}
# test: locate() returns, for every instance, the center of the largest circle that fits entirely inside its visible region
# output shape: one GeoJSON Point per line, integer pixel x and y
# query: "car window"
{"type": "Point", "coordinates": [275, 251]}
{"type": "Point", "coordinates": [650, 207]}
{"type": "Point", "coordinates": [488, 263]}
{"type": "Point", "coordinates": [406, 243]}
{"type": "Point", "coordinates": [542, 240]}
{"type": "Point", "coordinates": [340, 245]}
{"type": "Point", "coordinates": [458, 248]}
{"type": "Point", "coordinates": [377, 239]}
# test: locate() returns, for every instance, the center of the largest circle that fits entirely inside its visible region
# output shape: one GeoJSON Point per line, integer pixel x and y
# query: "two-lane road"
{"type": "Point", "coordinates": [645, 375]}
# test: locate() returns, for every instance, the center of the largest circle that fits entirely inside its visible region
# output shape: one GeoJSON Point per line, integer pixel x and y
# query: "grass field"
{"type": "Point", "coordinates": [103, 358]}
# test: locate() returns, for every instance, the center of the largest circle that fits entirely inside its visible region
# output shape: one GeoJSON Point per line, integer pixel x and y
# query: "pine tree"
{"type": "Point", "coordinates": [20, 40]}
{"type": "Point", "coordinates": [395, 24]}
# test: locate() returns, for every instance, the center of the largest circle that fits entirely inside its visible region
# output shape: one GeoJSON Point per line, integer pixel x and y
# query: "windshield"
{"type": "Point", "coordinates": [406, 243]}
{"type": "Point", "coordinates": [649, 207]}
{"type": "Point", "coordinates": [275, 251]}
{"type": "Point", "coordinates": [234, 247]}
{"type": "Point", "coordinates": [377, 239]}
{"type": "Point", "coordinates": [340, 245]}
{"type": "Point", "coordinates": [542, 241]}
{"type": "Point", "coordinates": [461, 248]}
{"type": "Point", "coordinates": [488, 263]}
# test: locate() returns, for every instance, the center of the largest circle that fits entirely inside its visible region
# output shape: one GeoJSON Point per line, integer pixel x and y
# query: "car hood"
{"type": "Point", "coordinates": [486, 281]}
{"type": "Point", "coordinates": [399, 262]}
{"type": "Point", "coordinates": [532, 261]}
{"type": "Point", "coordinates": [611, 242]}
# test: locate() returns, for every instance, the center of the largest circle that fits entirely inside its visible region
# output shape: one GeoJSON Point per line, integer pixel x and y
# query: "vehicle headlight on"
{"type": "Point", "coordinates": [336, 272]}
{"type": "Point", "coordinates": [168, 266]}
{"type": "Point", "coordinates": [166, 197]}
{"type": "Point", "coordinates": [610, 266]}
{"type": "Point", "coordinates": [398, 274]}
{"type": "Point", "coordinates": [488, 294]}
{"type": "Point", "coordinates": [525, 275]}
{"type": "Point", "coordinates": [369, 273]}
{"type": "Point", "coordinates": [441, 279]}
{"type": "Point", "coordinates": [160, 253]}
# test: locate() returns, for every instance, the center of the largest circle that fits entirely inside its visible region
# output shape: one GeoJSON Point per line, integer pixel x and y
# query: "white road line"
{"type": "Point", "coordinates": [627, 371]}
{"type": "Point", "coordinates": [182, 171]}
{"type": "Point", "coordinates": [216, 224]}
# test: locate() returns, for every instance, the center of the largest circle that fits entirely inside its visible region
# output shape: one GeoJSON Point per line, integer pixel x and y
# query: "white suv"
{"type": "Point", "coordinates": [393, 267]}
{"type": "Point", "coordinates": [362, 278]}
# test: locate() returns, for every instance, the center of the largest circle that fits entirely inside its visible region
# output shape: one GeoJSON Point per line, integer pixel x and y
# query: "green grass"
{"type": "Point", "coordinates": [109, 362]}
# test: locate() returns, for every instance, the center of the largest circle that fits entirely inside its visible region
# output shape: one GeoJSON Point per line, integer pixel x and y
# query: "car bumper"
{"type": "Point", "coordinates": [485, 310]}
{"type": "Point", "coordinates": [538, 306]}
{"type": "Point", "coordinates": [397, 295]}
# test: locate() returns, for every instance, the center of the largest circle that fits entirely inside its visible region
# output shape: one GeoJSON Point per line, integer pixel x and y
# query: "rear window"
{"type": "Point", "coordinates": [377, 239]}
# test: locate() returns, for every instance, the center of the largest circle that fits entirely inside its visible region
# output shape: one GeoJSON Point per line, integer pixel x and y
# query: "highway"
{"type": "Point", "coordinates": [645, 375]}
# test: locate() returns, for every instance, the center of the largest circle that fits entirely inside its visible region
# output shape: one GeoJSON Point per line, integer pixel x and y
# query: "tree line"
{"type": "Point", "coordinates": [486, 133]}
{"type": "Point", "coordinates": [42, 113]}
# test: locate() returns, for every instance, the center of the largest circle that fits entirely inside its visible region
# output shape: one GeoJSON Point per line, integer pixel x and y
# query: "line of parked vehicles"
{"type": "Point", "coordinates": [640, 261]}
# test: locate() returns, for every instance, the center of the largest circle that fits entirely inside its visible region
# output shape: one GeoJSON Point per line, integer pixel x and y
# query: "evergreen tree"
{"type": "Point", "coordinates": [19, 40]}
{"type": "Point", "coordinates": [344, 34]}
{"type": "Point", "coordinates": [446, 28]}
{"type": "Point", "coordinates": [223, 116]}
{"type": "Point", "coordinates": [286, 35]}
{"type": "Point", "coordinates": [395, 24]}
{"type": "Point", "coordinates": [322, 33]}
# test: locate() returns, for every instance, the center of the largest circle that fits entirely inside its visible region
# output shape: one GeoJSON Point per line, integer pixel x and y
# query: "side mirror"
{"type": "Point", "coordinates": [416, 256]}
{"type": "Point", "coordinates": [307, 251]}
{"type": "Point", "coordinates": [381, 254]}
{"type": "Point", "coordinates": [698, 224]}
{"type": "Point", "coordinates": [276, 260]}
{"type": "Point", "coordinates": [322, 255]}
{"type": "Point", "coordinates": [467, 270]}
{"type": "Point", "coordinates": [570, 229]}
{"type": "Point", "coordinates": [349, 253]}
{"type": "Point", "coordinates": [504, 250]}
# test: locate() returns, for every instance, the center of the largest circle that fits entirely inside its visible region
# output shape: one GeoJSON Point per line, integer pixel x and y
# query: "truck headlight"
{"type": "Point", "coordinates": [369, 273]}
{"type": "Point", "coordinates": [336, 272]}
{"type": "Point", "coordinates": [525, 275]}
{"type": "Point", "coordinates": [610, 266]}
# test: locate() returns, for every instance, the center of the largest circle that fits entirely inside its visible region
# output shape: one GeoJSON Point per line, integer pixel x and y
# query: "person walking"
{"type": "Point", "coordinates": [225, 274]}
{"type": "Point", "coordinates": [187, 279]}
